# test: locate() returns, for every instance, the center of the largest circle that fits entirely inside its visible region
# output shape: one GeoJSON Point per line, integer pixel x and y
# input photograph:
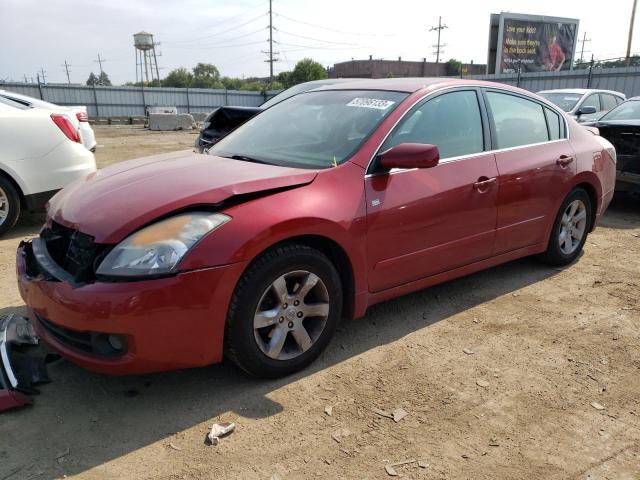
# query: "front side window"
{"type": "Point", "coordinates": [451, 122]}
{"type": "Point", "coordinates": [318, 129]}
{"type": "Point", "coordinates": [592, 100]}
{"type": "Point", "coordinates": [517, 121]}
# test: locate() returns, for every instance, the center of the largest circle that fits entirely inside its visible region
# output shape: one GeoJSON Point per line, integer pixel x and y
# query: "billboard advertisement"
{"type": "Point", "coordinates": [532, 43]}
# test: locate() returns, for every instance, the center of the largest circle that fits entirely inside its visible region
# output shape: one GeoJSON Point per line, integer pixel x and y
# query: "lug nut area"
{"type": "Point", "coordinates": [290, 324]}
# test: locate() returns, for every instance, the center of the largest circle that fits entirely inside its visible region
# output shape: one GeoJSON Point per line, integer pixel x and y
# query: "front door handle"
{"type": "Point", "coordinates": [483, 184]}
{"type": "Point", "coordinates": [564, 160]}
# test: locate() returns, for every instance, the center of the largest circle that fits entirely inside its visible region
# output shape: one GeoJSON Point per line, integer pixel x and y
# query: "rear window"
{"type": "Point", "coordinates": [566, 101]}
{"type": "Point", "coordinates": [555, 127]}
{"type": "Point", "coordinates": [518, 121]}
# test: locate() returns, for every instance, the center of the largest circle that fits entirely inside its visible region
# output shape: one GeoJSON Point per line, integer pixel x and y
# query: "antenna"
{"type": "Point", "coordinates": [439, 46]}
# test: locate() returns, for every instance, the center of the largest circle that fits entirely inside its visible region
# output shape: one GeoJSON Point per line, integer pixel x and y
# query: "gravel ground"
{"type": "Point", "coordinates": [499, 373]}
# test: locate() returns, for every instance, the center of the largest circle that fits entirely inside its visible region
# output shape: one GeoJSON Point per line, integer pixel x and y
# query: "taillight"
{"type": "Point", "coordinates": [68, 128]}
{"type": "Point", "coordinates": [82, 116]}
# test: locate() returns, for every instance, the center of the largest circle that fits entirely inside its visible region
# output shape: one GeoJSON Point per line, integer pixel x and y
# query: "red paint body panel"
{"type": "Point", "coordinates": [400, 232]}
{"type": "Point", "coordinates": [425, 221]}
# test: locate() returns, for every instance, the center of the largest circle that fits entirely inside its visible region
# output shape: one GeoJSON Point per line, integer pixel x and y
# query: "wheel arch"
{"type": "Point", "coordinates": [338, 257]}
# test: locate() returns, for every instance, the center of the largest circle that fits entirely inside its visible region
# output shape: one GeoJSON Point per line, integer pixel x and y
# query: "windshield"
{"type": "Point", "coordinates": [313, 130]}
{"type": "Point", "coordinates": [289, 92]}
{"type": "Point", "coordinates": [629, 110]}
{"type": "Point", "coordinates": [566, 101]}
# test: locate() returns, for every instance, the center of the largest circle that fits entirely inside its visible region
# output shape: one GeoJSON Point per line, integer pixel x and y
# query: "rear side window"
{"type": "Point", "coordinates": [619, 100]}
{"type": "Point", "coordinates": [451, 122]}
{"type": "Point", "coordinates": [608, 101]}
{"type": "Point", "coordinates": [553, 121]}
{"type": "Point", "coordinates": [592, 100]}
{"type": "Point", "coordinates": [518, 121]}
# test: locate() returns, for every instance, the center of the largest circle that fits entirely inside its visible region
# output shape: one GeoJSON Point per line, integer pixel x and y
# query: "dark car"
{"type": "Point", "coordinates": [224, 119]}
{"type": "Point", "coordinates": [621, 126]}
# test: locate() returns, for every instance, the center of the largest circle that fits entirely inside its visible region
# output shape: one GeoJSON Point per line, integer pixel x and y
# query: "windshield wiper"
{"type": "Point", "coordinates": [246, 158]}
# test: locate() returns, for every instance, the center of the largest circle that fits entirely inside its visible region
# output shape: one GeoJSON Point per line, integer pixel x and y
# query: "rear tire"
{"type": "Point", "coordinates": [570, 229]}
{"type": "Point", "coordinates": [9, 205]}
{"type": "Point", "coordinates": [283, 312]}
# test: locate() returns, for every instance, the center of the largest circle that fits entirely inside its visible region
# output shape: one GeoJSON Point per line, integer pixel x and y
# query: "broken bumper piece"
{"type": "Point", "coordinates": [22, 362]}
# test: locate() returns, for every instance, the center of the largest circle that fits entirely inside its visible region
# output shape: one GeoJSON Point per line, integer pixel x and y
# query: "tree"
{"type": "Point", "coordinates": [206, 75]}
{"type": "Point", "coordinates": [179, 77]}
{"type": "Point", "coordinates": [453, 67]}
{"type": "Point", "coordinates": [103, 79]}
{"type": "Point", "coordinates": [286, 79]}
{"type": "Point", "coordinates": [307, 70]}
{"type": "Point", "coordinates": [92, 80]}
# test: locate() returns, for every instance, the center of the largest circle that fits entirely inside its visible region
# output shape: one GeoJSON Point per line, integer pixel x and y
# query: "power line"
{"type": "Point", "coordinates": [312, 38]}
{"type": "Point", "coordinates": [320, 47]}
{"type": "Point", "coordinates": [99, 62]}
{"type": "Point", "coordinates": [217, 34]}
{"type": "Point", "coordinates": [224, 41]}
{"type": "Point", "coordinates": [213, 47]}
{"type": "Point", "coordinates": [332, 29]}
{"type": "Point", "coordinates": [438, 46]}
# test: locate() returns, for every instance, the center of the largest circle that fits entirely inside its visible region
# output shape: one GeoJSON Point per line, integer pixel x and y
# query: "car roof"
{"type": "Point", "coordinates": [410, 85]}
{"type": "Point", "coordinates": [581, 91]}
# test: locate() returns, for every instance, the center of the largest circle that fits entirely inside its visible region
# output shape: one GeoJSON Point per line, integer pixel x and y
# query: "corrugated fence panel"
{"type": "Point", "coordinates": [132, 101]}
{"type": "Point", "coordinates": [625, 80]}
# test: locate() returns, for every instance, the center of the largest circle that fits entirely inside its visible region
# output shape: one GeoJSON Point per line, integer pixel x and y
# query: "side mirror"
{"type": "Point", "coordinates": [588, 110]}
{"type": "Point", "coordinates": [410, 155]}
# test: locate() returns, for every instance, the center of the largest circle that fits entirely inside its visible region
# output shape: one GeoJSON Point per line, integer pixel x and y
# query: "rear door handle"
{"type": "Point", "coordinates": [483, 184]}
{"type": "Point", "coordinates": [564, 160]}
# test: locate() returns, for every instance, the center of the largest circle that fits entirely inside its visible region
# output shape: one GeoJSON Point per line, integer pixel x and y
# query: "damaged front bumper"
{"type": "Point", "coordinates": [22, 362]}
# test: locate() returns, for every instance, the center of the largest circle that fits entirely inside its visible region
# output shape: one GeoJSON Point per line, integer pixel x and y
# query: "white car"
{"type": "Point", "coordinates": [40, 153]}
{"type": "Point", "coordinates": [584, 104]}
{"type": "Point", "coordinates": [86, 132]}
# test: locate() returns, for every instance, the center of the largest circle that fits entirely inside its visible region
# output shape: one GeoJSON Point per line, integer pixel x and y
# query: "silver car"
{"type": "Point", "coordinates": [584, 104]}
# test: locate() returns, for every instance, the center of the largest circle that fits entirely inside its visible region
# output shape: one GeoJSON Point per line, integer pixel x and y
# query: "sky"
{"type": "Point", "coordinates": [43, 34]}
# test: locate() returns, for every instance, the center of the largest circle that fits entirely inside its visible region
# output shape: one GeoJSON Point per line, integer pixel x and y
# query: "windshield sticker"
{"type": "Point", "coordinates": [370, 103]}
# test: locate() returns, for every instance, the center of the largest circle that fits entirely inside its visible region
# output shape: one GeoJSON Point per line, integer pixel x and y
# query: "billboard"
{"type": "Point", "coordinates": [531, 43]}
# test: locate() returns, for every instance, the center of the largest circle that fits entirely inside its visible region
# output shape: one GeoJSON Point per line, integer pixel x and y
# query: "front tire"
{"type": "Point", "coordinates": [283, 312]}
{"type": "Point", "coordinates": [9, 205]}
{"type": "Point", "coordinates": [570, 229]}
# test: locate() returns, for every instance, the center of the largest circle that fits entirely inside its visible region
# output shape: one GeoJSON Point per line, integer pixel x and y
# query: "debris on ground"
{"type": "Point", "coordinates": [481, 382]}
{"type": "Point", "coordinates": [597, 406]}
{"type": "Point", "coordinates": [392, 472]}
{"type": "Point", "coordinates": [173, 446]}
{"type": "Point", "coordinates": [468, 351]}
{"type": "Point", "coordinates": [399, 414]}
{"type": "Point", "coordinates": [328, 410]}
{"type": "Point", "coordinates": [341, 434]}
{"type": "Point", "coordinates": [219, 430]}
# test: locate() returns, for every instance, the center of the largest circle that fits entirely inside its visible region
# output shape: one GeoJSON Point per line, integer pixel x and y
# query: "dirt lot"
{"type": "Point", "coordinates": [497, 372]}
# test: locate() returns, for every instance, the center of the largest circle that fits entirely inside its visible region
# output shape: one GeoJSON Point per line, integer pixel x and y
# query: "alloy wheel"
{"type": "Point", "coordinates": [4, 206]}
{"type": "Point", "coordinates": [291, 315]}
{"type": "Point", "coordinates": [573, 226]}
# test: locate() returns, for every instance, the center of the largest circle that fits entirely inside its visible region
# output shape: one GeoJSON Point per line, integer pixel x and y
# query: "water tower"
{"type": "Point", "coordinates": [146, 60]}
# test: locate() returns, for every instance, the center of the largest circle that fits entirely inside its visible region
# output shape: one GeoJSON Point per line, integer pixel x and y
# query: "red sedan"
{"type": "Point", "coordinates": [317, 208]}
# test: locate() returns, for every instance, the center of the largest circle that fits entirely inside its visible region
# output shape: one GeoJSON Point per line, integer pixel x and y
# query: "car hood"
{"type": "Point", "coordinates": [115, 201]}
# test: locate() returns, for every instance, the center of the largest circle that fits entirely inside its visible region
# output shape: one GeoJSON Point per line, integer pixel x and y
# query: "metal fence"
{"type": "Point", "coordinates": [624, 79]}
{"type": "Point", "coordinates": [133, 101]}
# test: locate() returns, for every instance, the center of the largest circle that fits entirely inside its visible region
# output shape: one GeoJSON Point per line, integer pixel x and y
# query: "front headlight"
{"type": "Point", "coordinates": [158, 248]}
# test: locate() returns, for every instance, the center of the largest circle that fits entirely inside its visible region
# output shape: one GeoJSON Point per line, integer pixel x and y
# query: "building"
{"type": "Point", "coordinates": [373, 68]}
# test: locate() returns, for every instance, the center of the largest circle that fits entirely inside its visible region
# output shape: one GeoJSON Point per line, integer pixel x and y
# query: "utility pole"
{"type": "Point", "coordinates": [438, 46]}
{"type": "Point", "coordinates": [66, 67]}
{"type": "Point", "coordinates": [583, 41]}
{"type": "Point", "coordinates": [99, 62]}
{"type": "Point", "coordinates": [633, 17]}
{"type": "Point", "coordinates": [42, 72]}
{"type": "Point", "coordinates": [271, 52]}
{"type": "Point", "coordinates": [25, 78]}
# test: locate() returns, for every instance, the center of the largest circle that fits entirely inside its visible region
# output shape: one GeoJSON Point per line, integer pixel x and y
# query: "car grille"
{"type": "Point", "coordinates": [75, 252]}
